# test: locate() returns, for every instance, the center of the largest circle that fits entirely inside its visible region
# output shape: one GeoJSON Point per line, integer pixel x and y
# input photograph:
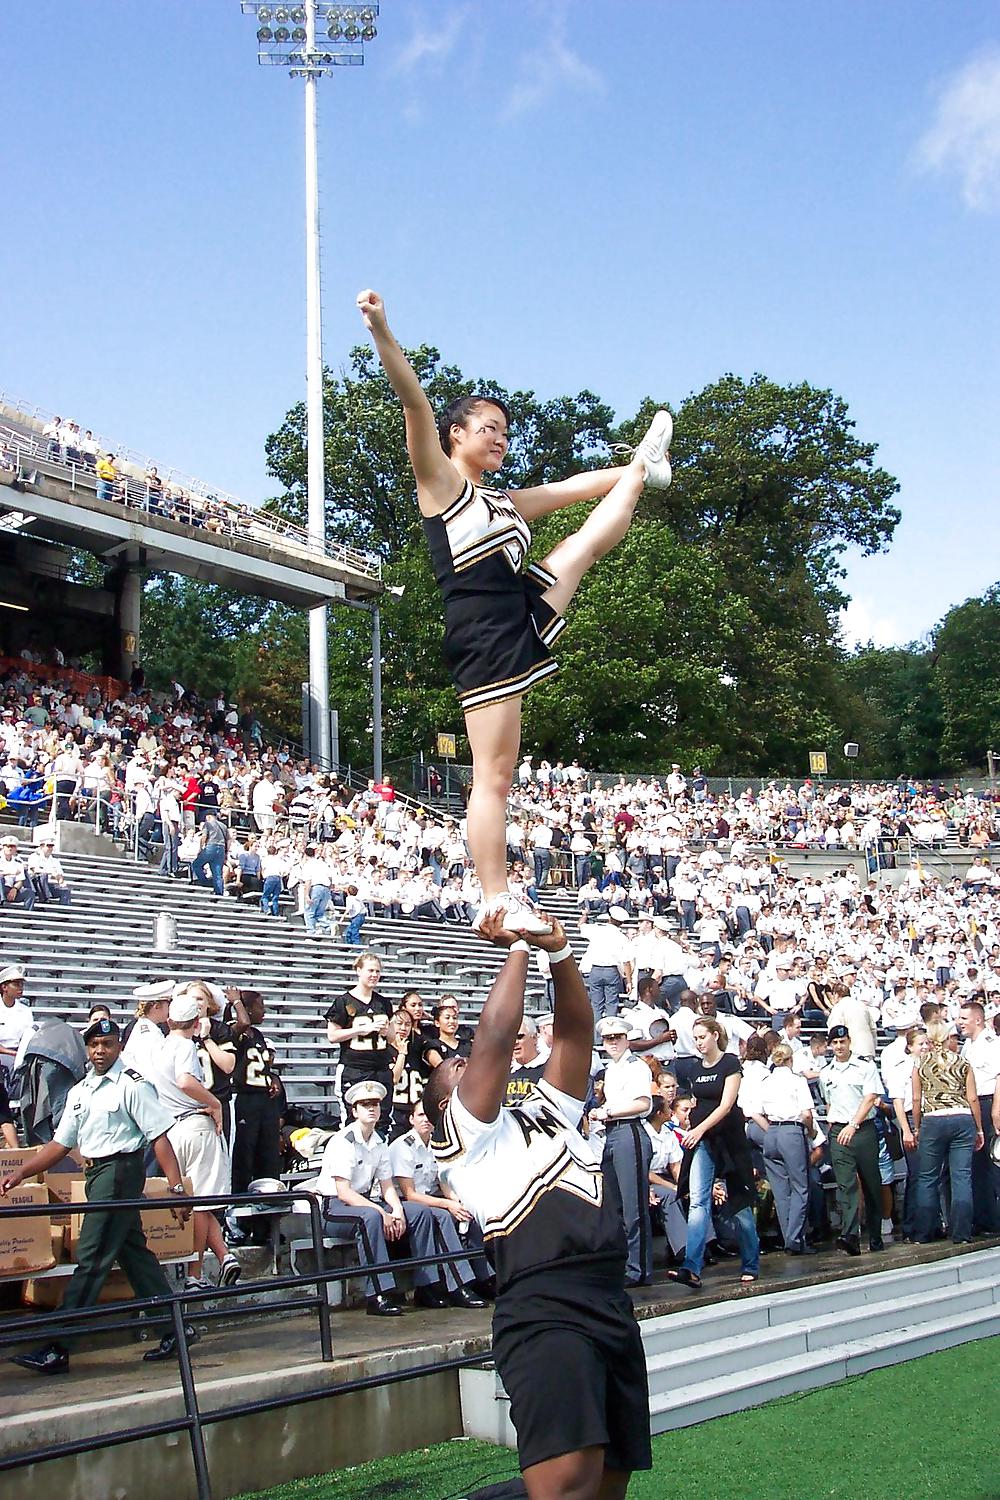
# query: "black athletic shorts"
{"type": "Point", "coordinates": [569, 1352]}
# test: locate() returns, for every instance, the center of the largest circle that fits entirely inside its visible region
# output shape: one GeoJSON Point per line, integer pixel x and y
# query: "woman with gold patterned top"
{"type": "Point", "coordinates": [949, 1128]}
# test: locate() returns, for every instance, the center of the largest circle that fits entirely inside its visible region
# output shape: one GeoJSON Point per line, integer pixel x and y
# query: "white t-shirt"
{"type": "Point", "coordinates": [177, 1056]}
{"type": "Point", "coordinates": [15, 1020]}
{"type": "Point", "coordinates": [411, 1157]}
{"type": "Point", "coordinates": [626, 1079]}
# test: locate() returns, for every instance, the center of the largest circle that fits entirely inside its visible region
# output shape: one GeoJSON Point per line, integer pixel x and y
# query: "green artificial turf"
{"type": "Point", "coordinates": [925, 1428]}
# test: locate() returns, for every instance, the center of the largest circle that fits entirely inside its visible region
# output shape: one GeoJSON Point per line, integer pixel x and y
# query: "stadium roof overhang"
{"type": "Point", "coordinates": [45, 508]}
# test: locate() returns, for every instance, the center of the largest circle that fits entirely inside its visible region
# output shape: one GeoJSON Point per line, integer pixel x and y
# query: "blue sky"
{"type": "Point", "coordinates": [632, 197]}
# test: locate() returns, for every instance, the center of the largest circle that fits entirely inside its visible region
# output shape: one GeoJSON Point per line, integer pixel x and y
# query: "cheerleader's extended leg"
{"type": "Point", "coordinates": [612, 516]}
{"type": "Point", "coordinates": [602, 530]}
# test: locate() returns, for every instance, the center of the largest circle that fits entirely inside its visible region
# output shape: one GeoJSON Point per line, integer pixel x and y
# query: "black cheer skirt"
{"type": "Point", "coordinates": [496, 644]}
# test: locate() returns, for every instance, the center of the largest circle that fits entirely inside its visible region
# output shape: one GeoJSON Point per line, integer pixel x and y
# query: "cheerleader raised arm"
{"type": "Point", "coordinates": [501, 617]}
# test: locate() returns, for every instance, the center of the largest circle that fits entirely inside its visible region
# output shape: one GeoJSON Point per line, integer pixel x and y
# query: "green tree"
{"type": "Point", "coordinates": [710, 633]}
{"type": "Point", "coordinates": [771, 484]}
{"type": "Point", "coordinates": [210, 638]}
{"type": "Point", "coordinates": [899, 727]}
{"type": "Point", "coordinates": [967, 677]}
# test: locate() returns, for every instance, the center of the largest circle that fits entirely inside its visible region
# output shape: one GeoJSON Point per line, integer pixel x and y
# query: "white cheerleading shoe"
{"type": "Point", "coordinates": [518, 916]}
{"type": "Point", "coordinates": [654, 450]}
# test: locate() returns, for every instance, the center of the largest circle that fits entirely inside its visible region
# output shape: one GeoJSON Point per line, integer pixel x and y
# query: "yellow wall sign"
{"type": "Point", "coordinates": [817, 762]}
{"type": "Point", "coordinates": [446, 746]}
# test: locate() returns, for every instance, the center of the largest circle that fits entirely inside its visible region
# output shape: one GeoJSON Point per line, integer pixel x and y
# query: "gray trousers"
{"type": "Point", "coordinates": [628, 1152]}
{"type": "Point", "coordinates": [674, 1221]}
{"type": "Point", "coordinates": [604, 986]}
{"type": "Point", "coordinates": [786, 1156]}
{"type": "Point", "coordinates": [344, 1225]}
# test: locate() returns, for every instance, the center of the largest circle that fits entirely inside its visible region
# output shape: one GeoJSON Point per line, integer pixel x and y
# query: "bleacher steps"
{"type": "Point", "coordinates": [728, 1356]}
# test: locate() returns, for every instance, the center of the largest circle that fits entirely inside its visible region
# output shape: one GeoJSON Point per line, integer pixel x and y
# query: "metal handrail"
{"type": "Point", "coordinates": [108, 1318]}
{"type": "Point", "coordinates": [235, 516]}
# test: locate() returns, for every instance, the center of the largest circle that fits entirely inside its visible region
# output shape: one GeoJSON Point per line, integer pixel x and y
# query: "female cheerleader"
{"type": "Point", "coordinates": [499, 620]}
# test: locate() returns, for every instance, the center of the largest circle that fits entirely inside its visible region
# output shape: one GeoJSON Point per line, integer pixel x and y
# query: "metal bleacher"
{"type": "Point", "coordinates": [103, 943]}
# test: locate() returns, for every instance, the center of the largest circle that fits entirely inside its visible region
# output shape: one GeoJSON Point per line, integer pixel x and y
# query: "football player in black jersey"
{"type": "Point", "coordinates": [565, 1339]}
{"type": "Point", "coordinates": [256, 1095]}
{"type": "Point", "coordinates": [358, 1022]}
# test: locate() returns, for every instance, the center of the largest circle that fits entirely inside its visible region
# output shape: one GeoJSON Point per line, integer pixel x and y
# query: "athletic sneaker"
{"type": "Point", "coordinates": [230, 1271]}
{"type": "Point", "coordinates": [654, 450]}
{"type": "Point", "coordinates": [518, 915]}
{"type": "Point", "coordinates": [199, 1284]}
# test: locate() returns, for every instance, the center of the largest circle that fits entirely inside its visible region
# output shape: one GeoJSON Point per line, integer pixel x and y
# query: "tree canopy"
{"type": "Point", "coordinates": [710, 634]}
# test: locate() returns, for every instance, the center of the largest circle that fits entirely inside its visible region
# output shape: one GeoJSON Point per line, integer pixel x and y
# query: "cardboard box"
{"type": "Point", "coordinates": [60, 1185]}
{"type": "Point", "coordinates": [47, 1292]}
{"type": "Point", "coordinates": [164, 1236]}
{"type": "Point", "coordinates": [25, 1244]}
{"type": "Point", "coordinates": [12, 1159]}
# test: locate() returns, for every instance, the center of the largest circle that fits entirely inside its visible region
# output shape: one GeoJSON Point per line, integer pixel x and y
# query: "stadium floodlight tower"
{"type": "Point", "coordinates": [310, 40]}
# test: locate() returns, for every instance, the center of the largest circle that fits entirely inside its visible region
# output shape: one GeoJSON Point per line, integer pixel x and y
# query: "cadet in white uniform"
{"type": "Point", "coordinates": [608, 963]}
{"type": "Point", "coordinates": [110, 1116]}
{"type": "Point", "coordinates": [628, 1151]}
{"type": "Point", "coordinates": [356, 1180]}
{"type": "Point", "coordinates": [415, 1168]}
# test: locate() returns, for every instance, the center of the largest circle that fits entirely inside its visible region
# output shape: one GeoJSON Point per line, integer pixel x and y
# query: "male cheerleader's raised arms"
{"type": "Point", "coordinates": [501, 617]}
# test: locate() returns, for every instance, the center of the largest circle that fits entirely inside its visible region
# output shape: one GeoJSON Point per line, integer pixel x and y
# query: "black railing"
{"type": "Point", "coordinates": [171, 1310]}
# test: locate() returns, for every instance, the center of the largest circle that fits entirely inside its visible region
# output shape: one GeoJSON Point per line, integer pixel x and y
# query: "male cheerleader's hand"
{"type": "Point", "coordinates": [372, 311]}
{"type": "Point", "coordinates": [492, 930]}
{"type": "Point", "coordinates": [551, 942]}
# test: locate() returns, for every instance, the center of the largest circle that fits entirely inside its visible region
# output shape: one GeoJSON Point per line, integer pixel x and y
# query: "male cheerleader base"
{"type": "Point", "coordinates": [565, 1338]}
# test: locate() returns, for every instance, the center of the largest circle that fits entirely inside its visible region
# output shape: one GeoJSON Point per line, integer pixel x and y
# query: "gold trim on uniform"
{"type": "Point", "coordinates": [467, 557]}
{"type": "Point", "coordinates": [452, 1145]}
{"type": "Point", "coordinates": [510, 687]}
{"type": "Point", "coordinates": [468, 494]}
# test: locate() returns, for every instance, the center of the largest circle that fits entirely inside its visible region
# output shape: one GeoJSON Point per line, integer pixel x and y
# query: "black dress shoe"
{"type": "Point", "coordinates": [429, 1296]}
{"type": "Point", "coordinates": [381, 1307]}
{"type": "Point", "coordinates": [849, 1244]}
{"type": "Point", "coordinates": [464, 1296]}
{"type": "Point", "coordinates": [167, 1347]}
{"type": "Point", "coordinates": [52, 1360]}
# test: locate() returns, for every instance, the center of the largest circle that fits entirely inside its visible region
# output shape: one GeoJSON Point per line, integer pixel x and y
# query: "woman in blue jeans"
{"type": "Point", "coordinates": [949, 1128]}
{"type": "Point", "coordinates": [716, 1147]}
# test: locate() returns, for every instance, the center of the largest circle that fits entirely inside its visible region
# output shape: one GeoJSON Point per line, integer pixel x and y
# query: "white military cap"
{"type": "Point", "coordinates": [366, 1092]}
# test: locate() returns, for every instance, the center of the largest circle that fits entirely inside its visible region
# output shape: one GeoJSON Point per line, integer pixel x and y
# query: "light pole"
{"type": "Point", "coordinates": [287, 36]}
{"type": "Point", "coordinates": [373, 610]}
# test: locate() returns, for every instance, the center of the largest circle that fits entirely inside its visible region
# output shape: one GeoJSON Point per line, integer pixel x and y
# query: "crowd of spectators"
{"type": "Point", "coordinates": [685, 899]}
{"type": "Point", "coordinates": [62, 441]}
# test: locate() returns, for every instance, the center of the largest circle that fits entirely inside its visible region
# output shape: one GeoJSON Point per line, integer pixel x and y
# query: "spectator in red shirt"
{"type": "Point", "coordinates": [190, 798]}
{"type": "Point", "coordinates": [624, 823]}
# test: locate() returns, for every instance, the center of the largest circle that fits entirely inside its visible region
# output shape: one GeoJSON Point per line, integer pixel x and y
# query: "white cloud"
{"type": "Point", "coordinates": [860, 623]}
{"type": "Point", "coordinates": [546, 69]}
{"type": "Point", "coordinates": [964, 135]}
{"type": "Point", "coordinates": [430, 43]}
